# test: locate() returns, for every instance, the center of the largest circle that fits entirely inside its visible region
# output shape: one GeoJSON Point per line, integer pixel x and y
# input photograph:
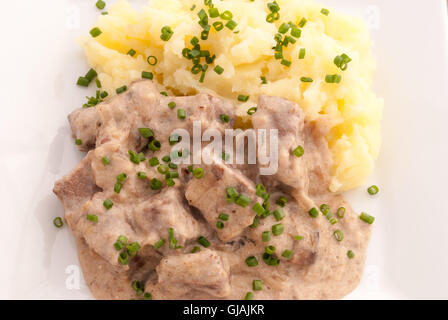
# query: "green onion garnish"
{"type": "Point", "coordinates": [204, 242]}
{"type": "Point", "coordinates": [147, 75]}
{"type": "Point", "coordinates": [167, 33]}
{"type": "Point", "coordinates": [243, 98]}
{"type": "Point", "coordinates": [133, 248]}
{"type": "Point", "coordinates": [58, 222]}
{"type": "Point", "coordinates": [117, 187]}
{"type": "Point", "coordinates": [266, 236]}
{"type": "Point", "coordinates": [334, 78]}
{"type": "Point", "coordinates": [218, 69]}
{"type": "Point", "coordinates": [198, 173]}
{"type": "Point", "coordinates": [338, 235]}
{"type": "Point", "coordinates": [302, 23]}
{"type": "Point", "coordinates": [257, 285]}
{"type": "Point", "coordinates": [153, 162]}
{"type": "Point", "coordinates": [281, 201]}
{"type": "Point", "coordinates": [152, 60]}
{"type": "Point", "coordinates": [219, 225]}
{"type": "Point", "coordinates": [92, 217]}
{"type": "Point", "coordinates": [306, 79]}
{"type": "Point", "coordinates": [223, 217]}
{"type": "Point", "coordinates": [95, 32]}
{"type": "Point", "coordinates": [155, 184]}
{"type": "Point", "coordinates": [154, 145]}
{"type": "Point", "coordinates": [252, 261]}
{"type": "Point", "coordinates": [242, 200]}
{"type": "Point", "coordinates": [279, 214]}
{"type": "Point", "coordinates": [146, 132]}
{"type": "Point", "coordinates": [287, 254]}
{"type": "Point", "coordinates": [277, 229]}
{"type": "Point", "coordinates": [249, 296]}
{"type": "Point", "coordinates": [252, 110]}
{"type": "Point", "coordinates": [313, 212]}
{"type": "Point", "coordinates": [108, 204]}
{"type": "Point", "coordinates": [78, 142]}
{"type": "Point", "coordinates": [195, 249]}
{"type": "Point", "coordinates": [123, 258]}
{"type": "Point", "coordinates": [350, 254]}
{"type": "Point", "coordinates": [340, 212]}
{"type": "Point", "coordinates": [373, 190]}
{"type": "Point", "coordinates": [366, 218]}
{"type": "Point", "coordinates": [325, 11]}
{"type": "Point", "coordinates": [132, 52]}
{"type": "Point", "coordinates": [100, 4]}
{"type": "Point", "coordinates": [299, 151]}
{"type": "Point", "coordinates": [181, 114]}
{"type": "Point", "coordinates": [121, 89]}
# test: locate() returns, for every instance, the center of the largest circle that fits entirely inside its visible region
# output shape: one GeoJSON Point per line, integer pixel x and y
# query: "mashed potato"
{"type": "Point", "coordinates": [350, 108]}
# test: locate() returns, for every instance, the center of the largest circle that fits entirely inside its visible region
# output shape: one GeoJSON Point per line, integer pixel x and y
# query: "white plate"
{"type": "Point", "coordinates": [40, 60]}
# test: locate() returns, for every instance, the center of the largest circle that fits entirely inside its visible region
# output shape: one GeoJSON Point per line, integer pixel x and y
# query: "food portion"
{"type": "Point", "coordinates": [149, 228]}
{"type": "Point", "coordinates": [241, 50]}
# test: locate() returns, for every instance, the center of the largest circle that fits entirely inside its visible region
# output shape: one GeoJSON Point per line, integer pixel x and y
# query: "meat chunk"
{"type": "Point", "coordinates": [209, 196]}
{"type": "Point", "coordinates": [288, 119]}
{"type": "Point", "coordinates": [85, 123]}
{"type": "Point", "coordinates": [154, 217]}
{"type": "Point", "coordinates": [192, 274]}
{"type": "Point", "coordinates": [76, 188]}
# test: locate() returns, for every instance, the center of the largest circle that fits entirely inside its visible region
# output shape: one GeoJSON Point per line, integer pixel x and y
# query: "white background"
{"type": "Point", "coordinates": [40, 62]}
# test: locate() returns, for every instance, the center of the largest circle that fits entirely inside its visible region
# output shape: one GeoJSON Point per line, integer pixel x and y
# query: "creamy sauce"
{"type": "Point", "coordinates": [318, 267]}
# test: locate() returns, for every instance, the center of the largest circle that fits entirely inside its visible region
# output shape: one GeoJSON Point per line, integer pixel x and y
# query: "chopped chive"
{"type": "Point", "coordinates": [299, 151]}
{"type": "Point", "coordinates": [251, 261]}
{"type": "Point", "coordinates": [243, 98]}
{"type": "Point", "coordinates": [266, 236]}
{"type": "Point", "coordinates": [121, 177]}
{"type": "Point", "coordinates": [242, 200]}
{"type": "Point", "coordinates": [258, 208]}
{"type": "Point", "coordinates": [195, 249]}
{"type": "Point", "coordinates": [108, 204]}
{"type": "Point", "coordinates": [83, 82]}
{"type": "Point", "coordinates": [155, 184]}
{"type": "Point", "coordinates": [218, 25]}
{"type": "Point", "coordinates": [296, 32]}
{"type": "Point", "coordinates": [132, 52]}
{"type": "Point", "coordinates": [223, 217]}
{"type": "Point", "coordinates": [154, 145]}
{"type": "Point", "coordinates": [325, 11]}
{"type": "Point", "coordinates": [95, 32]}
{"type": "Point", "coordinates": [218, 69]}
{"type": "Point", "coordinates": [249, 296]}
{"type": "Point", "coordinates": [219, 225]}
{"type": "Point", "coordinates": [306, 79]}
{"type": "Point", "coordinates": [257, 285]}
{"type": "Point", "coordinates": [252, 110]}
{"type": "Point", "coordinates": [313, 212]}
{"type": "Point", "coordinates": [372, 190]}
{"type": "Point", "coordinates": [181, 114]}
{"type": "Point", "coordinates": [163, 169]}
{"type": "Point", "coordinates": [172, 105]}
{"type": "Point", "coordinates": [366, 218]}
{"type": "Point", "coordinates": [133, 248]}
{"type": "Point", "coordinates": [302, 53]}
{"type": "Point", "coordinates": [147, 75]}
{"type": "Point", "coordinates": [338, 235]}
{"type": "Point", "coordinates": [263, 80]}
{"type": "Point", "coordinates": [279, 214]}
{"type": "Point", "coordinates": [226, 15]}
{"type": "Point", "coordinates": [100, 4]}
{"type": "Point", "coordinates": [78, 142]}
{"type": "Point", "coordinates": [298, 238]}
{"type": "Point", "coordinates": [302, 23]}
{"type": "Point", "coordinates": [198, 173]}
{"type": "Point", "coordinates": [117, 187]}
{"type": "Point", "coordinates": [58, 222]}
{"type": "Point", "coordinates": [92, 217]}
{"type": "Point", "coordinates": [224, 118]}
{"type": "Point", "coordinates": [281, 201]}
{"type": "Point", "coordinates": [121, 89]}
{"type": "Point", "coordinates": [284, 27]}
{"type": "Point", "coordinates": [152, 60]}
{"type": "Point", "coordinates": [141, 175]}
{"type": "Point", "coordinates": [277, 229]}
{"type": "Point", "coordinates": [204, 242]}
{"type": "Point", "coordinates": [335, 78]}
{"type": "Point", "coordinates": [255, 222]}
{"type": "Point", "coordinates": [350, 254]}
{"type": "Point", "coordinates": [153, 161]}
{"type": "Point", "coordinates": [147, 296]}
{"type": "Point", "coordinates": [287, 254]}
{"type": "Point", "coordinates": [340, 212]}
{"type": "Point", "coordinates": [146, 132]}
{"type": "Point", "coordinates": [120, 243]}
{"type": "Point", "coordinates": [167, 33]}
{"type": "Point", "coordinates": [286, 63]}
{"type": "Point", "coordinates": [123, 258]}
{"type": "Point", "coordinates": [324, 208]}
{"type": "Point", "coordinates": [270, 249]}
{"type": "Point", "coordinates": [91, 74]}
